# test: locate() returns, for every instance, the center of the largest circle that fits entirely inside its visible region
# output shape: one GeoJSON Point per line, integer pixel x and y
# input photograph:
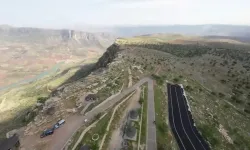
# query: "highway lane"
{"type": "Point", "coordinates": [64, 134]}
{"type": "Point", "coordinates": [181, 122]}
{"type": "Point", "coordinates": [151, 128]}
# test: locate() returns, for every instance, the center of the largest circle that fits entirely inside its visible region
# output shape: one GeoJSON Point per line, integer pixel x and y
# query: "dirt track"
{"type": "Point", "coordinates": [62, 135]}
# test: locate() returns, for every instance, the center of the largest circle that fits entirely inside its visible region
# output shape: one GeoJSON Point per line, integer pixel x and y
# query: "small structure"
{"type": "Point", "coordinates": [85, 147]}
{"type": "Point", "coordinates": [11, 143]}
{"type": "Point", "coordinates": [133, 115]}
{"type": "Point", "coordinates": [91, 97]}
{"type": "Point", "coordinates": [130, 131]}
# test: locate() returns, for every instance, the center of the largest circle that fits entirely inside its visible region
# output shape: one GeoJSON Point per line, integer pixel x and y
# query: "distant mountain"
{"type": "Point", "coordinates": [29, 51]}
{"type": "Point", "coordinates": [49, 36]}
{"type": "Point", "coordinates": [201, 30]}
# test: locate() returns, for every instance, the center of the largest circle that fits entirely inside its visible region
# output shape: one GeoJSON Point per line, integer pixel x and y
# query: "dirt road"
{"type": "Point", "coordinates": [62, 135]}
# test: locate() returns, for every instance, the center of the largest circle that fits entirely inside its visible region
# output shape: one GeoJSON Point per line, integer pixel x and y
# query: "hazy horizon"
{"type": "Point", "coordinates": [109, 13]}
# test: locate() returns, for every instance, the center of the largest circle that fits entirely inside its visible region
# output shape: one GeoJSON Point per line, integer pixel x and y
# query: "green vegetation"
{"type": "Point", "coordinates": [99, 129]}
{"type": "Point", "coordinates": [42, 99]}
{"type": "Point", "coordinates": [176, 80]}
{"type": "Point", "coordinates": [179, 50]}
{"type": "Point", "coordinates": [61, 79]}
{"type": "Point", "coordinates": [161, 119]}
{"type": "Point", "coordinates": [159, 80]}
{"type": "Point", "coordinates": [144, 116]}
{"type": "Point", "coordinates": [76, 136]}
{"type": "Point", "coordinates": [210, 134]}
{"type": "Point", "coordinates": [215, 78]}
{"type": "Point", "coordinates": [117, 117]}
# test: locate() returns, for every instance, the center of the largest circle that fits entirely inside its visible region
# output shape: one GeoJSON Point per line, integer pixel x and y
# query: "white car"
{"type": "Point", "coordinates": [85, 120]}
{"type": "Point", "coordinates": [59, 123]}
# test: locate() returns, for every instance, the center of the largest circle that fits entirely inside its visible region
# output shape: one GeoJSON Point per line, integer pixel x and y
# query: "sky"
{"type": "Point", "coordinates": [68, 13]}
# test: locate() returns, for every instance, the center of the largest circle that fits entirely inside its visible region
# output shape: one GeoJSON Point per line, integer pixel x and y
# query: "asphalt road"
{"type": "Point", "coordinates": [151, 129]}
{"type": "Point", "coordinates": [63, 134]}
{"type": "Point", "coordinates": [181, 122]}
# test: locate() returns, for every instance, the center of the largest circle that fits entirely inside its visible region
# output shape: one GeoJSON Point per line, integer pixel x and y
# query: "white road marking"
{"type": "Point", "coordinates": [173, 118]}
{"type": "Point", "coordinates": [181, 118]}
{"type": "Point", "coordinates": [191, 125]}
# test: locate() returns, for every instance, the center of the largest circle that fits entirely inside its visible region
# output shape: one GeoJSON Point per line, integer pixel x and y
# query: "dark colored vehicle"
{"type": "Point", "coordinates": [47, 132]}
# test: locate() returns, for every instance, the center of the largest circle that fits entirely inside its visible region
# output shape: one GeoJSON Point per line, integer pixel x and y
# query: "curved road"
{"type": "Point", "coordinates": [181, 122]}
{"type": "Point", "coordinates": [64, 134]}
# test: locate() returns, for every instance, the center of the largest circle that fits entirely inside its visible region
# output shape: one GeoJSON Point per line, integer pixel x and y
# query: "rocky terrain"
{"type": "Point", "coordinates": [213, 72]}
{"type": "Point", "coordinates": [30, 51]}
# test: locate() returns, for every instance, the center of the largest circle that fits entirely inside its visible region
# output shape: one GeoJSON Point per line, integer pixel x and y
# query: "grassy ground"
{"type": "Point", "coordinates": [117, 117]}
{"type": "Point", "coordinates": [162, 129]}
{"type": "Point", "coordinates": [209, 110]}
{"type": "Point", "coordinates": [20, 101]}
{"type": "Point", "coordinates": [144, 116]}
{"type": "Point", "coordinates": [106, 92]}
{"type": "Point", "coordinates": [76, 136]}
{"type": "Point", "coordinates": [60, 80]}
{"type": "Point", "coordinates": [99, 129]}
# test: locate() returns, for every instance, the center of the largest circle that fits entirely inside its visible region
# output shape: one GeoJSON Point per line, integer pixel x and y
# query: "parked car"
{"type": "Point", "coordinates": [47, 132]}
{"type": "Point", "coordinates": [59, 123]}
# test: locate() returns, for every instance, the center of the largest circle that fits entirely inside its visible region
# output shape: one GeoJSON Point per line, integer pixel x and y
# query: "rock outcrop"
{"type": "Point", "coordinates": [108, 56]}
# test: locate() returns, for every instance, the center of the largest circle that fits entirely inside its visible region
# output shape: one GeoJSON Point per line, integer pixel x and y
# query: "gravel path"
{"type": "Point", "coordinates": [86, 130]}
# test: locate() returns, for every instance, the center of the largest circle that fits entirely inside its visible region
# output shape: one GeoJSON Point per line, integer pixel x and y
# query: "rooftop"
{"type": "Point", "coordinates": [9, 143]}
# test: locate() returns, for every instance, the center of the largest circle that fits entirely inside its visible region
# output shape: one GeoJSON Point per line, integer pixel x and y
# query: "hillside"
{"type": "Point", "coordinates": [215, 75]}
{"type": "Point", "coordinates": [213, 71]}
{"type": "Point", "coordinates": [31, 51]}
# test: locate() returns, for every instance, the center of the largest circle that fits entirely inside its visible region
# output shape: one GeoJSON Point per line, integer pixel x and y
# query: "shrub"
{"type": "Point", "coordinates": [226, 106]}
{"type": "Point", "coordinates": [189, 88]}
{"type": "Point", "coordinates": [223, 81]}
{"type": "Point", "coordinates": [141, 100]}
{"type": "Point", "coordinates": [158, 79]}
{"type": "Point", "coordinates": [176, 80]}
{"type": "Point", "coordinates": [42, 99]}
{"type": "Point", "coordinates": [213, 93]}
{"type": "Point", "coordinates": [247, 111]}
{"type": "Point", "coordinates": [221, 95]}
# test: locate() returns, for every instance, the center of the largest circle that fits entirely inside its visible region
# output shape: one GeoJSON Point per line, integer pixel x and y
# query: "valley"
{"type": "Point", "coordinates": [30, 51]}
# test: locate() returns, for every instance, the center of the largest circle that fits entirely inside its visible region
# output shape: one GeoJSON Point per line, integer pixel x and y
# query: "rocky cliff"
{"type": "Point", "coordinates": [51, 36]}
{"type": "Point", "coordinates": [108, 56]}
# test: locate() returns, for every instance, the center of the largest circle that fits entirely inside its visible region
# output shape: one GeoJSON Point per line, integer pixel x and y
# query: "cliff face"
{"type": "Point", "coordinates": [108, 56]}
{"type": "Point", "coordinates": [50, 36]}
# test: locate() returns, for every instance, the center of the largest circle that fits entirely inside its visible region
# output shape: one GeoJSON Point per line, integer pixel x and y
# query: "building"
{"type": "Point", "coordinates": [11, 143]}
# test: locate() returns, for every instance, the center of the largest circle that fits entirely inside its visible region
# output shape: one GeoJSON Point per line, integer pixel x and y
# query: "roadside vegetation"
{"type": "Point", "coordinates": [117, 117]}
{"type": "Point", "coordinates": [96, 133]}
{"type": "Point", "coordinates": [161, 116]}
{"type": "Point", "coordinates": [143, 101]}
{"type": "Point", "coordinates": [211, 114]}
{"type": "Point", "coordinates": [215, 78]}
